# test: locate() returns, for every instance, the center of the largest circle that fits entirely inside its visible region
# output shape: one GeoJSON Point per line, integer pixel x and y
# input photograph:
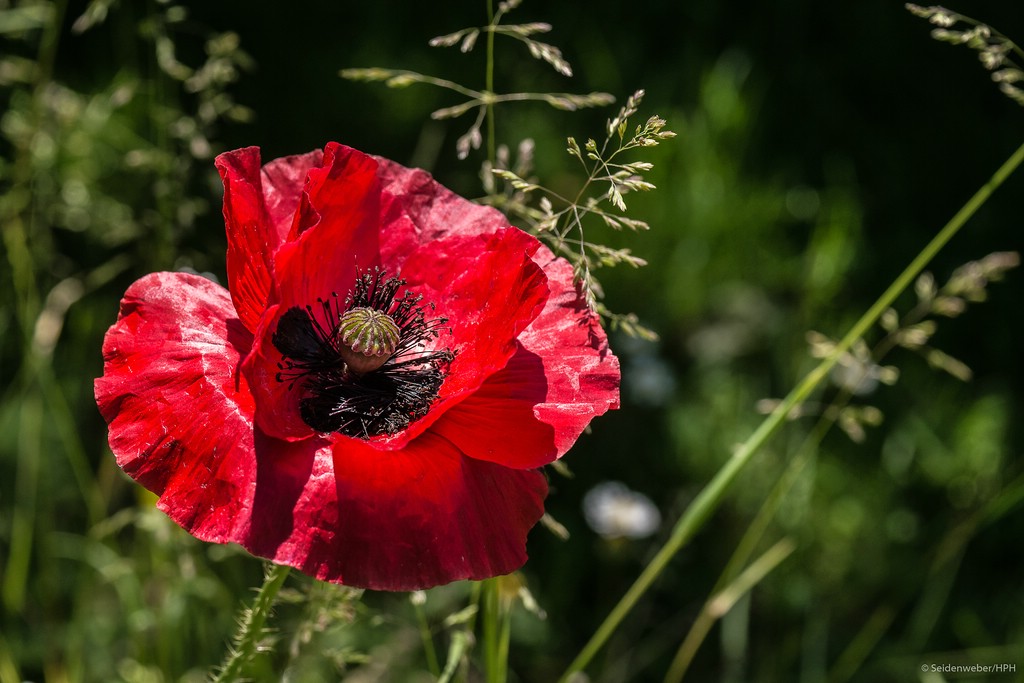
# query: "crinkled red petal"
{"type": "Point", "coordinates": [283, 182]}
{"type": "Point", "coordinates": [250, 232]}
{"type": "Point", "coordinates": [259, 205]}
{"type": "Point", "coordinates": [561, 377]}
{"type": "Point", "coordinates": [417, 210]}
{"type": "Point", "coordinates": [489, 290]}
{"type": "Point", "coordinates": [583, 374]}
{"type": "Point", "coordinates": [498, 422]}
{"type": "Point", "coordinates": [179, 411]}
{"type": "Point", "coordinates": [335, 234]}
{"type": "Point", "coordinates": [394, 520]}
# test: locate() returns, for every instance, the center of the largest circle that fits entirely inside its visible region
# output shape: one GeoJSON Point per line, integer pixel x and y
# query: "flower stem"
{"type": "Point", "coordinates": [250, 626]}
{"type": "Point", "coordinates": [504, 642]}
{"type": "Point", "coordinates": [428, 639]}
{"type": "Point", "coordinates": [710, 497]}
{"type": "Point", "coordinates": [495, 634]}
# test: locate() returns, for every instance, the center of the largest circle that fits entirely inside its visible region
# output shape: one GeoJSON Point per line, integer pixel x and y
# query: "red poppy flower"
{"type": "Point", "coordinates": [371, 398]}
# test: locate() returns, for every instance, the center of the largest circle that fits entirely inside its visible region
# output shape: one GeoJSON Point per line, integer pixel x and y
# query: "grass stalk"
{"type": "Point", "coordinates": [428, 639]}
{"type": "Point", "coordinates": [710, 497]}
{"type": "Point", "coordinates": [492, 149]}
{"type": "Point", "coordinates": [26, 492]}
{"type": "Point", "coordinates": [751, 537]}
{"type": "Point", "coordinates": [864, 642]}
{"type": "Point", "coordinates": [719, 604]}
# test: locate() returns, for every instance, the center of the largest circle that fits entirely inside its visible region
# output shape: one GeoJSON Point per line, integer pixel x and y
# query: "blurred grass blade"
{"type": "Point", "coordinates": [723, 601]}
{"type": "Point", "coordinates": [459, 644]}
{"type": "Point", "coordinates": [863, 643]}
{"type": "Point", "coordinates": [30, 453]}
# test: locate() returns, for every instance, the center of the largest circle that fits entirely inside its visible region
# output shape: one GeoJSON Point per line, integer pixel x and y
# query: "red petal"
{"type": "Point", "coordinates": [259, 205]}
{"type": "Point", "coordinates": [395, 520]}
{"type": "Point", "coordinates": [341, 194]}
{"type": "Point", "coordinates": [252, 237]}
{"type": "Point", "coordinates": [180, 413]}
{"type": "Point", "coordinates": [417, 210]}
{"type": "Point", "coordinates": [497, 422]}
{"type": "Point", "coordinates": [336, 230]}
{"type": "Point", "coordinates": [561, 377]}
{"type": "Point", "coordinates": [490, 290]}
{"type": "Point", "coordinates": [335, 233]}
{"type": "Point", "coordinates": [582, 373]}
{"type": "Point", "coordinates": [284, 180]}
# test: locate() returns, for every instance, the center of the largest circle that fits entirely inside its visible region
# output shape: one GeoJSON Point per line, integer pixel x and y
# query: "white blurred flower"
{"type": "Point", "coordinates": [649, 380]}
{"type": "Point", "coordinates": [614, 511]}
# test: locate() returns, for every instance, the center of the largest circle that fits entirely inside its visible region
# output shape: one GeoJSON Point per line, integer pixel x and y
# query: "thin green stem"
{"type": "Point", "coordinates": [759, 525]}
{"type": "Point", "coordinates": [63, 426]}
{"type": "Point", "coordinates": [495, 664]}
{"type": "Point", "coordinates": [17, 225]}
{"type": "Point", "coordinates": [20, 203]}
{"type": "Point", "coordinates": [504, 642]}
{"type": "Point", "coordinates": [860, 647]}
{"type": "Point", "coordinates": [753, 535]}
{"type": "Point", "coordinates": [414, 76]}
{"type": "Point", "coordinates": [250, 628]}
{"type": "Point", "coordinates": [427, 638]}
{"type": "Point", "coordinates": [723, 600]}
{"type": "Point", "coordinates": [476, 599]}
{"type": "Point", "coordinates": [708, 500]}
{"type": "Point", "coordinates": [492, 149]}
{"type": "Point", "coordinates": [8, 666]}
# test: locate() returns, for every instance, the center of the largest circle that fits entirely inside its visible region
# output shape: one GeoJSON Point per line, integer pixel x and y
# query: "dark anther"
{"type": "Point", "coordinates": [343, 391]}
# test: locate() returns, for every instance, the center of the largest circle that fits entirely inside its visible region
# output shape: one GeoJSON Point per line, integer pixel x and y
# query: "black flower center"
{"type": "Point", "coordinates": [363, 363]}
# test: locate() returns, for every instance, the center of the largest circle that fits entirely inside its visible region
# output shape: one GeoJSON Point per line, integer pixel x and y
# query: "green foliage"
{"type": "Point", "coordinates": [562, 226]}
{"type": "Point", "coordinates": [855, 553]}
{"type": "Point", "coordinates": [484, 101]}
{"type": "Point", "coordinates": [99, 185]}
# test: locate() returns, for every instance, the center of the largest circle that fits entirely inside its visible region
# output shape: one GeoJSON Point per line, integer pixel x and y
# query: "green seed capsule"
{"type": "Point", "coordinates": [368, 338]}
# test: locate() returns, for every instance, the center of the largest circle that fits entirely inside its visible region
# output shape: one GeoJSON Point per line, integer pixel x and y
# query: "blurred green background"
{"type": "Point", "coordinates": [820, 145]}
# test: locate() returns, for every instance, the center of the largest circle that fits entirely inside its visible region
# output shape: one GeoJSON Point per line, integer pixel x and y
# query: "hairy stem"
{"type": "Point", "coordinates": [250, 627]}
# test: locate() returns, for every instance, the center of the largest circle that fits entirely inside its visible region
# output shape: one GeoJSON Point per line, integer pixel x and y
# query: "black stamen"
{"type": "Point", "coordinates": [383, 401]}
